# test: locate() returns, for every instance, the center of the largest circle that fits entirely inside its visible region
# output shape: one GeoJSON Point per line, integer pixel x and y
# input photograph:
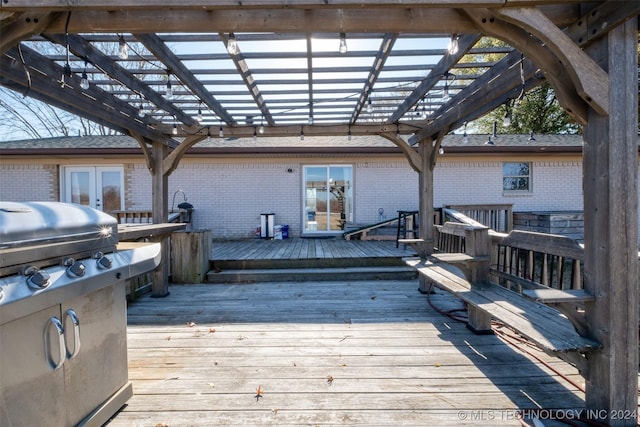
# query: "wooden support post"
{"type": "Point", "coordinates": [478, 244]}
{"type": "Point", "coordinates": [425, 205]}
{"type": "Point", "coordinates": [160, 196]}
{"type": "Point", "coordinates": [611, 233]}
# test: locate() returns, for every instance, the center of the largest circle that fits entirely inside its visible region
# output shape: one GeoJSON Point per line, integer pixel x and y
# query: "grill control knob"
{"type": "Point", "coordinates": [37, 279]}
{"type": "Point", "coordinates": [103, 262]}
{"type": "Point", "coordinates": [74, 268]}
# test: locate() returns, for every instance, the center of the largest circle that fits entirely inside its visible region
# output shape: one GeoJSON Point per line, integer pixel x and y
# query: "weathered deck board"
{"type": "Point", "coordinates": [300, 248]}
{"type": "Point", "coordinates": [393, 360]}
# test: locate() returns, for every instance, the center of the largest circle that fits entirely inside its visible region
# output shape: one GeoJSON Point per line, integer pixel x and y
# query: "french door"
{"type": "Point", "coordinates": [99, 187]}
{"type": "Point", "coordinates": [328, 197]}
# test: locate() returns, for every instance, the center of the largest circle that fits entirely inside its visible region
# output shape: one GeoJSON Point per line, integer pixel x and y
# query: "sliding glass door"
{"type": "Point", "coordinates": [328, 198]}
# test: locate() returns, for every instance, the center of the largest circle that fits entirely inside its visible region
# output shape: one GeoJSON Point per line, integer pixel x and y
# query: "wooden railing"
{"type": "Point", "coordinates": [140, 216]}
{"type": "Point", "coordinates": [495, 216]}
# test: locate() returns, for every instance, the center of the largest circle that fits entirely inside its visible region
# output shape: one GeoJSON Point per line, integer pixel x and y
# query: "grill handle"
{"type": "Point", "coordinates": [59, 330]}
{"type": "Point", "coordinates": [71, 314]}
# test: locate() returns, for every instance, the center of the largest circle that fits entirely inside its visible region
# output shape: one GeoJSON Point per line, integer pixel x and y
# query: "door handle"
{"type": "Point", "coordinates": [62, 350]}
{"type": "Point", "coordinates": [71, 314]}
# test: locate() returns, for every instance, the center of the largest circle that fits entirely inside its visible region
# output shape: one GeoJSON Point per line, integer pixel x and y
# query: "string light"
{"type": "Point", "coordinates": [123, 49]}
{"type": "Point", "coordinates": [453, 45]}
{"type": "Point", "coordinates": [343, 43]}
{"type": "Point", "coordinates": [232, 44]}
{"type": "Point", "coordinates": [199, 116]}
{"type": "Point", "coordinates": [465, 138]}
{"type": "Point", "coordinates": [349, 134]}
{"type": "Point", "coordinates": [369, 105]}
{"type": "Point", "coordinates": [84, 81]}
{"type": "Point", "coordinates": [255, 134]}
{"type": "Point", "coordinates": [506, 122]}
{"type": "Point", "coordinates": [174, 131]}
{"type": "Point", "coordinates": [169, 91]}
{"type": "Point", "coordinates": [141, 111]}
{"type": "Point", "coordinates": [310, 120]}
{"type": "Point", "coordinates": [301, 133]}
{"type": "Point", "coordinates": [208, 134]}
{"type": "Point", "coordinates": [221, 132]}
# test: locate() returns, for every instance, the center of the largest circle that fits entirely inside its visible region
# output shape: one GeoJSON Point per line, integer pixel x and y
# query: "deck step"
{"type": "Point", "coordinates": [312, 274]}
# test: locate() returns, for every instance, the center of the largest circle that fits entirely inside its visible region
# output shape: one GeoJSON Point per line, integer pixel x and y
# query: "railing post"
{"type": "Point", "coordinates": [478, 244]}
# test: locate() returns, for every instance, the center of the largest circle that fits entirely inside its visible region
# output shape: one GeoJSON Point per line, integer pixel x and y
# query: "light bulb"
{"type": "Point", "coordinates": [123, 49]}
{"type": "Point", "coordinates": [441, 150]}
{"type": "Point", "coordinates": [343, 43]}
{"type": "Point", "coordinates": [169, 91]}
{"type": "Point", "coordinates": [310, 121]}
{"type": "Point", "coordinates": [199, 116]}
{"type": "Point", "coordinates": [232, 45]}
{"type": "Point", "coordinates": [507, 120]}
{"type": "Point", "coordinates": [141, 111]}
{"type": "Point", "coordinates": [174, 131]}
{"type": "Point", "coordinates": [255, 135]}
{"type": "Point", "coordinates": [84, 81]}
{"type": "Point", "coordinates": [221, 132]}
{"type": "Point", "coordinates": [369, 106]}
{"type": "Point", "coordinates": [453, 45]}
{"type": "Point", "coordinates": [261, 129]}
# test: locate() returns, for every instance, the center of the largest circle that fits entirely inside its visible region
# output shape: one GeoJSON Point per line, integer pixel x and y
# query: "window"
{"type": "Point", "coordinates": [516, 176]}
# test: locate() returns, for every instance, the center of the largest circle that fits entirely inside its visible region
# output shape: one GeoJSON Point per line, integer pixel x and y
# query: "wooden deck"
{"type": "Point", "coordinates": [301, 248]}
{"type": "Point", "coordinates": [370, 353]}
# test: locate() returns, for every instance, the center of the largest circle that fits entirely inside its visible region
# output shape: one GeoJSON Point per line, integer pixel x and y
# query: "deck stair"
{"type": "Point", "coordinates": [252, 261]}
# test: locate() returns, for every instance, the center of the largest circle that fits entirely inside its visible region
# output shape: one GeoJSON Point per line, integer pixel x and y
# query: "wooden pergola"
{"type": "Point", "coordinates": [233, 71]}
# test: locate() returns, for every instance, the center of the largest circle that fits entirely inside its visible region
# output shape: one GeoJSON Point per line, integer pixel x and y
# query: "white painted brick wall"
{"type": "Point", "coordinates": [28, 182]}
{"type": "Point", "coordinates": [229, 197]}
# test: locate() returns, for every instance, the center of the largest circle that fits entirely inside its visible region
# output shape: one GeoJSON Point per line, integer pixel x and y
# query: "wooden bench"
{"type": "Point", "coordinates": [467, 276]}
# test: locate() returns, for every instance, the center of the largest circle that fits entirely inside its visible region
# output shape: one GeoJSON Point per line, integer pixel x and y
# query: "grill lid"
{"type": "Point", "coordinates": [42, 232]}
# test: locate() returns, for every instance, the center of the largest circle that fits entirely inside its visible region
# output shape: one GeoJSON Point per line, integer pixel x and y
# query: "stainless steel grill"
{"type": "Point", "coordinates": [63, 349]}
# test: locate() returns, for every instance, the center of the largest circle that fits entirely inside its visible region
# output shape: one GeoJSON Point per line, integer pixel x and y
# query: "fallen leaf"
{"type": "Point", "coordinates": [212, 330]}
{"type": "Point", "coordinates": [191, 324]}
{"type": "Point", "coordinates": [275, 410]}
{"type": "Point", "coordinates": [162, 425]}
{"type": "Point", "coordinates": [342, 365]}
{"type": "Point", "coordinates": [168, 338]}
{"type": "Point", "coordinates": [437, 365]}
{"type": "Point", "coordinates": [212, 385]}
{"type": "Point", "coordinates": [374, 297]}
{"type": "Point", "coordinates": [329, 379]}
{"type": "Point", "coordinates": [258, 393]}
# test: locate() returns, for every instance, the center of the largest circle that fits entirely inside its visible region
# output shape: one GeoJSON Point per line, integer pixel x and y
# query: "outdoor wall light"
{"type": "Point", "coordinates": [343, 43]}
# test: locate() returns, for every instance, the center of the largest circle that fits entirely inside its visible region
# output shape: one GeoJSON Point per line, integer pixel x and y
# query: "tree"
{"type": "Point", "coordinates": [536, 111]}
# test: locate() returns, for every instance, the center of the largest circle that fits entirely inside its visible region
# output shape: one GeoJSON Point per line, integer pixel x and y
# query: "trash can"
{"type": "Point", "coordinates": [266, 225]}
{"type": "Point", "coordinates": [186, 211]}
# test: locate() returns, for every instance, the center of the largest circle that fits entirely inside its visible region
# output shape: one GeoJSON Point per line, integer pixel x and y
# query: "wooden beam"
{"type": "Point", "coordinates": [39, 74]}
{"type": "Point", "coordinates": [555, 71]}
{"type": "Point", "coordinates": [172, 161]}
{"type": "Point", "coordinates": [177, 68]}
{"type": "Point", "coordinates": [610, 177]}
{"type": "Point", "coordinates": [249, 81]}
{"type": "Point", "coordinates": [415, 161]}
{"type": "Point", "coordinates": [83, 49]}
{"type": "Point", "coordinates": [386, 20]}
{"type": "Point", "coordinates": [380, 58]}
{"type": "Point", "coordinates": [159, 194]}
{"type": "Point", "coordinates": [25, 25]}
{"type": "Point", "coordinates": [17, 5]}
{"type": "Point", "coordinates": [590, 81]}
{"type": "Point", "coordinates": [466, 42]}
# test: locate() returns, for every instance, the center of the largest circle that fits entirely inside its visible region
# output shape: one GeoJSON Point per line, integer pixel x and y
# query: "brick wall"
{"type": "Point", "coordinates": [21, 182]}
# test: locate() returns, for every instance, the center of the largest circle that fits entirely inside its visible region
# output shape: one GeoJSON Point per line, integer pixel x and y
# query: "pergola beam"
{"type": "Point", "coordinates": [43, 76]}
{"type": "Point", "coordinates": [176, 67]}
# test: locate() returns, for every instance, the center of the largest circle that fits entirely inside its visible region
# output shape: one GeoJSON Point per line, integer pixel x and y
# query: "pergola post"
{"type": "Point", "coordinates": [611, 233]}
{"type": "Point", "coordinates": [160, 196]}
{"type": "Point", "coordinates": [425, 202]}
